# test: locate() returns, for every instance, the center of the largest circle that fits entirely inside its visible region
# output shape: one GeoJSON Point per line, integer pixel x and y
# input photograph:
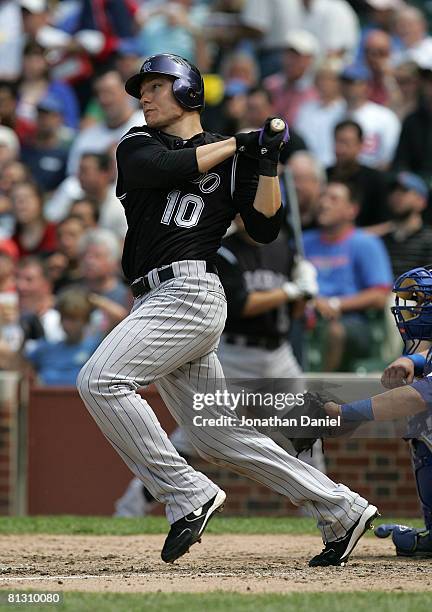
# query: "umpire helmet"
{"type": "Point", "coordinates": [188, 86]}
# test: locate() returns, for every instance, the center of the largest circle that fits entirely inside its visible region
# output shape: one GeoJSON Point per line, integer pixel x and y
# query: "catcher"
{"type": "Point", "coordinates": [409, 379]}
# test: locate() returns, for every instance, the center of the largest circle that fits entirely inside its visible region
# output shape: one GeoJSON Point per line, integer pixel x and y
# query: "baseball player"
{"type": "Point", "coordinates": [181, 188]}
{"type": "Point", "coordinates": [407, 397]}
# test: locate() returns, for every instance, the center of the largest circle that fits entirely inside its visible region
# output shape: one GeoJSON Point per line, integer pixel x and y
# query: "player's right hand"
{"type": "Point", "coordinates": [399, 372]}
{"type": "Point", "coordinates": [247, 143]}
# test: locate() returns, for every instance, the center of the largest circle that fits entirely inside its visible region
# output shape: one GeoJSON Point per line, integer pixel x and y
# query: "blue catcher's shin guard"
{"type": "Point", "coordinates": [411, 542]}
{"type": "Point", "coordinates": [422, 464]}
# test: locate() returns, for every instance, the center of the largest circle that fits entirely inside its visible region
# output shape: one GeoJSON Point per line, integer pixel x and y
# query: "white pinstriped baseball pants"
{"type": "Point", "coordinates": [170, 338]}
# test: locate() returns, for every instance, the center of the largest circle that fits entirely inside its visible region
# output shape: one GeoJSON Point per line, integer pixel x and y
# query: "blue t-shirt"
{"type": "Point", "coordinates": [58, 363]}
{"type": "Point", "coordinates": [351, 264]}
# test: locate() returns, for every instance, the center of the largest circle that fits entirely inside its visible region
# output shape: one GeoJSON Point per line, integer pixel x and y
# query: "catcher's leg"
{"type": "Point", "coordinates": [411, 542]}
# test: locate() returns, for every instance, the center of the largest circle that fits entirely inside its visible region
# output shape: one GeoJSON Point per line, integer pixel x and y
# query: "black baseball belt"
{"type": "Point", "coordinates": [268, 343]}
{"type": "Point", "coordinates": [141, 285]}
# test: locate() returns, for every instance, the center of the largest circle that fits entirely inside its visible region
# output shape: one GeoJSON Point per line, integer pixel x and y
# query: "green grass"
{"type": "Point", "coordinates": [93, 525]}
{"type": "Point", "coordinates": [223, 602]}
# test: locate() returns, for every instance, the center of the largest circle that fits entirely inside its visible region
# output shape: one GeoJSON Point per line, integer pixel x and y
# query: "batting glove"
{"type": "Point", "coordinates": [247, 143]}
{"type": "Point", "coordinates": [270, 146]}
{"type": "Point", "coordinates": [304, 275]}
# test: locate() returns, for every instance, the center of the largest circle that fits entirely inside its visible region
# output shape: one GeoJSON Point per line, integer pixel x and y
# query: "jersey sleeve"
{"type": "Point", "coordinates": [244, 183]}
{"type": "Point", "coordinates": [145, 163]}
{"type": "Point", "coordinates": [232, 280]}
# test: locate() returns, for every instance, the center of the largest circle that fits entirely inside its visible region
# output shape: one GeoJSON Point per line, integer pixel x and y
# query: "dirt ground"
{"type": "Point", "coordinates": [262, 563]}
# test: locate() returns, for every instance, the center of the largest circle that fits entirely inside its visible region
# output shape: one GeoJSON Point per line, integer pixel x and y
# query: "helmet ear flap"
{"type": "Point", "coordinates": [186, 94]}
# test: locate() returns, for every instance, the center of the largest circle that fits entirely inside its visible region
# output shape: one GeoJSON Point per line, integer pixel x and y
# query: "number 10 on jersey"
{"type": "Point", "coordinates": [186, 210]}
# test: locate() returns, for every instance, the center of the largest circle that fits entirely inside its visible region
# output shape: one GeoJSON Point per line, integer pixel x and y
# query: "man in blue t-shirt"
{"type": "Point", "coordinates": [354, 275]}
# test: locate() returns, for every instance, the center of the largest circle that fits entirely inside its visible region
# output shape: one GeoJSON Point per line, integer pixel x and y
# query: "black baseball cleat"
{"type": "Point", "coordinates": [338, 551]}
{"type": "Point", "coordinates": [188, 530]}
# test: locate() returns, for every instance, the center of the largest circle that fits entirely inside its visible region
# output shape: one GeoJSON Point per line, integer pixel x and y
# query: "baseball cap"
{"type": "Point", "coordinates": [34, 6]}
{"type": "Point", "coordinates": [9, 139]}
{"type": "Point", "coordinates": [355, 72]}
{"type": "Point", "coordinates": [411, 182]}
{"type": "Point", "coordinates": [50, 104]}
{"type": "Point", "coordinates": [301, 41]}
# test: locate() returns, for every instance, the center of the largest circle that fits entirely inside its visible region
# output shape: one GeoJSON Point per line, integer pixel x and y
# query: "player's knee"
{"type": "Point", "coordinates": [87, 382]}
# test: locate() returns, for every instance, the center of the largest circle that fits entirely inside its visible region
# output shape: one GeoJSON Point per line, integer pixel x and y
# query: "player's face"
{"type": "Point", "coordinates": [158, 102]}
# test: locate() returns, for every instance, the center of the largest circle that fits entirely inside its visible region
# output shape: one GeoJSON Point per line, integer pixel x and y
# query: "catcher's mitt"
{"type": "Point", "coordinates": [305, 435]}
{"type": "Point", "coordinates": [313, 408]}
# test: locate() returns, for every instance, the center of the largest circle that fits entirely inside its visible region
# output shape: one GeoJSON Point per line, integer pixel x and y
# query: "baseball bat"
{"type": "Point", "coordinates": [293, 211]}
{"type": "Point", "coordinates": [277, 125]}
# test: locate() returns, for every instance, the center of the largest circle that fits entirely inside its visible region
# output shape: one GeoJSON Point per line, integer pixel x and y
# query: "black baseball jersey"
{"type": "Point", "coordinates": [174, 212]}
{"type": "Point", "coordinates": [245, 267]}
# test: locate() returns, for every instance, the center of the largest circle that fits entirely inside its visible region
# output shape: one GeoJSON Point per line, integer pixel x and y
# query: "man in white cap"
{"type": "Point", "coordinates": [333, 22]}
{"type": "Point", "coordinates": [294, 86]}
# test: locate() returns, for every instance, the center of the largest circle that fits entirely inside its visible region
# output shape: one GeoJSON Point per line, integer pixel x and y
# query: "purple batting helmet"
{"type": "Point", "coordinates": [188, 86]}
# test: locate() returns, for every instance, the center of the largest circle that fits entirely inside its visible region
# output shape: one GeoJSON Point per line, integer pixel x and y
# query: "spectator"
{"type": "Point", "coordinates": [383, 87]}
{"type": "Point", "coordinates": [35, 17]}
{"type": "Point", "coordinates": [11, 333]}
{"type": "Point", "coordinates": [332, 22]}
{"type": "Point", "coordinates": [46, 153]}
{"type": "Point", "coordinates": [411, 27]}
{"type": "Point", "coordinates": [368, 184]}
{"type": "Point", "coordinates": [349, 285]}
{"type": "Point", "coordinates": [309, 178]}
{"type": "Point", "coordinates": [127, 62]}
{"type": "Point", "coordinates": [94, 180]}
{"type": "Point", "coordinates": [87, 210]}
{"type": "Point", "coordinates": [233, 109]}
{"type": "Point", "coordinates": [7, 269]}
{"type": "Point", "coordinates": [414, 150]}
{"type": "Point", "coordinates": [12, 172]}
{"type": "Point", "coordinates": [408, 240]}
{"type": "Point", "coordinates": [36, 83]}
{"type": "Point", "coordinates": [9, 146]}
{"type": "Point", "coordinates": [119, 117]}
{"type": "Point", "coordinates": [240, 66]}
{"type": "Point", "coordinates": [258, 107]}
{"type": "Point", "coordinates": [100, 258]}
{"type": "Point", "coordinates": [176, 25]}
{"type": "Point", "coordinates": [380, 15]}
{"type": "Point", "coordinates": [90, 34]}
{"type": "Point", "coordinates": [127, 58]}
{"type": "Point", "coordinates": [408, 81]}
{"type": "Point", "coordinates": [10, 40]}
{"type": "Point", "coordinates": [33, 235]}
{"type": "Point", "coordinates": [64, 265]}
{"type": "Point", "coordinates": [8, 111]}
{"type": "Point", "coordinates": [380, 125]}
{"type": "Point", "coordinates": [316, 119]}
{"type": "Point", "coordinates": [38, 316]}
{"type": "Point", "coordinates": [58, 363]}
{"type": "Point", "coordinates": [294, 87]}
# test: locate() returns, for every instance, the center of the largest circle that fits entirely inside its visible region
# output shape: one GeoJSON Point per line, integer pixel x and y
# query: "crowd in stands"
{"type": "Point", "coordinates": [353, 79]}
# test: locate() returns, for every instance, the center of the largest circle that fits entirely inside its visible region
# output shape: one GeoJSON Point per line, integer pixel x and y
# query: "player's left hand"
{"type": "Point", "coordinates": [271, 142]}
